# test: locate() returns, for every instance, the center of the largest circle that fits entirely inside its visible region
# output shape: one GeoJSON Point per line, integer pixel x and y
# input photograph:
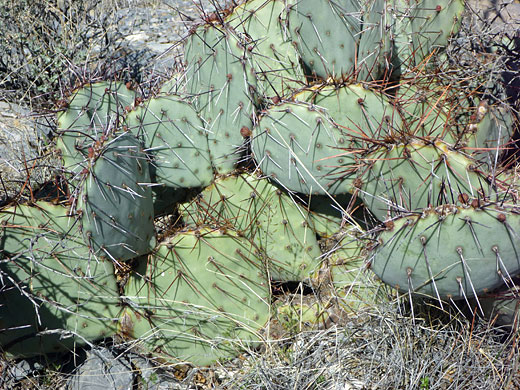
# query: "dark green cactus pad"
{"type": "Point", "coordinates": [327, 34]}
{"type": "Point", "coordinates": [274, 58]}
{"type": "Point", "coordinates": [54, 295]}
{"type": "Point", "coordinates": [115, 202]}
{"type": "Point", "coordinates": [261, 212]}
{"type": "Point", "coordinates": [201, 296]}
{"type": "Point", "coordinates": [412, 177]}
{"type": "Point", "coordinates": [305, 150]}
{"type": "Point", "coordinates": [450, 252]}
{"type": "Point", "coordinates": [221, 81]}
{"type": "Point", "coordinates": [93, 111]}
{"type": "Point", "coordinates": [165, 199]}
{"type": "Point", "coordinates": [175, 138]}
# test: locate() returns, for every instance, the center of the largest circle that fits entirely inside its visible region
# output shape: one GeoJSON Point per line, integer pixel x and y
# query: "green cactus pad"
{"type": "Point", "coordinates": [324, 224]}
{"type": "Point", "coordinates": [449, 252]}
{"type": "Point", "coordinates": [412, 177]}
{"type": "Point", "coordinates": [367, 115]}
{"type": "Point", "coordinates": [54, 294]}
{"type": "Point", "coordinates": [93, 111]}
{"type": "Point", "coordinates": [175, 138]}
{"type": "Point", "coordinates": [421, 27]}
{"type": "Point", "coordinates": [427, 112]}
{"type": "Point", "coordinates": [305, 150]}
{"type": "Point", "coordinates": [374, 54]}
{"type": "Point", "coordinates": [433, 23]}
{"type": "Point", "coordinates": [326, 34]}
{"type": "Point", "coordinates": [431, 111]}
{"type": "Point", "coordinates": [116, 201]}
{"type": "Point", "coordinates": [201, 296]}
{"type": "Point", "coordinates": [489, 132]}
{"type": "Point", "coordinates": [221, 82]}
{"type": "Point", "coordinates": [274, 58]}
{"type": "Point", "coordinates": [326, 213]}
{"type": "Point", "coordinates": [261, 212]}
{"type": "Point", "coordinates": [352, 282]}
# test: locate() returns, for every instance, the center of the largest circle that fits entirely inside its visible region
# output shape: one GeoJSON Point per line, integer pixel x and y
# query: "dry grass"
{"type": "Point", "coordinates": [384, 350]}
{"type": "Point", "coordinates": [46, 46]}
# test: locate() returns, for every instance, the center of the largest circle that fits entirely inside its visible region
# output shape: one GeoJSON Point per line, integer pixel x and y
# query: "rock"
{"type": "Point", "coordinates": [20, 142]}
{"type": "Point", "coordinates": [102, 371]}
{"type": "Point", "coordinates": [504, 15]}
{"type": "Point", "coordinates": [153, 378]}
{"type": "Point", "coordinates": [155, 34]}
{"type": "Point", "coordinates": [23, 369]}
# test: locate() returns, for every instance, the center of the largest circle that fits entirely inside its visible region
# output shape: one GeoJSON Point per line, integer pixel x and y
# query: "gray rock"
{"type": "Point", "coordinates": [504, 15]}
{"type": "Point", "coordinates": [23, 369]}
{"type": "Point", "coordinates": [152, 377]}
{"type": "Point", "coordinates": [20, 142]}
{"type": "Point", "coordinates": [102, 371]}
{"type": "Point", "coordinates": [155, 33]}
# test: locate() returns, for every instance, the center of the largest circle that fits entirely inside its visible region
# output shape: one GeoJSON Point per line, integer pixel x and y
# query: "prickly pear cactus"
{"type": "Point", "coordinates": [264, 114]}
{"type": "Point", "coordinates": [175, 138]}
{"type": "Point", "coordinates": [221, 82]}
{"type": "Point", "coordinates": [352, 281]}
{"type": "Point", "coordinates": [420, 28]}
{"type": "Point", "coordinates": [489, 132]}
{"type": "Point", "coordinates": [365, 114]}
{"type": "Point", "coordinates": [273, 56]}
{"type": "Point", "coordinates": [201, 296]}
{"type": "Point", "coordinates": [426, 112]}
{"type": "Point", "coordinates": [416, 176]}
{"type": "Point", "coordinates": [327, 35]}
{"type": "Point", "coordinates": [301, 147]}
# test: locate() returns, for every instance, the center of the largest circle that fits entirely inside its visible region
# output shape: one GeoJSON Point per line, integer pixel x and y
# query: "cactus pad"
{"type": "Point", "coordinates": [54, 294]}
{"type": "Point", "coordinates": [303, 148]}
{"type": "Point", "coordinates": [261, 212]}
{"type": "Point", "coordinates": [175, 137]}
{"type": "Point", "coordinates": [116, 202]}
{"type": "Point", "coordinates": [93, 111]}
{"type": "Point", "coordinates": [201, 296]}
{"type": "Point", "coordinates": [450, 252]}
{"type": "Point", "coordinates": [273, 57]}
{"type": "Point", "coordinates": [220, 80]}
{"type": "Point", "coordinates": [327, 34]}
{"type": "Point", "coordinates": [409, 178]}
